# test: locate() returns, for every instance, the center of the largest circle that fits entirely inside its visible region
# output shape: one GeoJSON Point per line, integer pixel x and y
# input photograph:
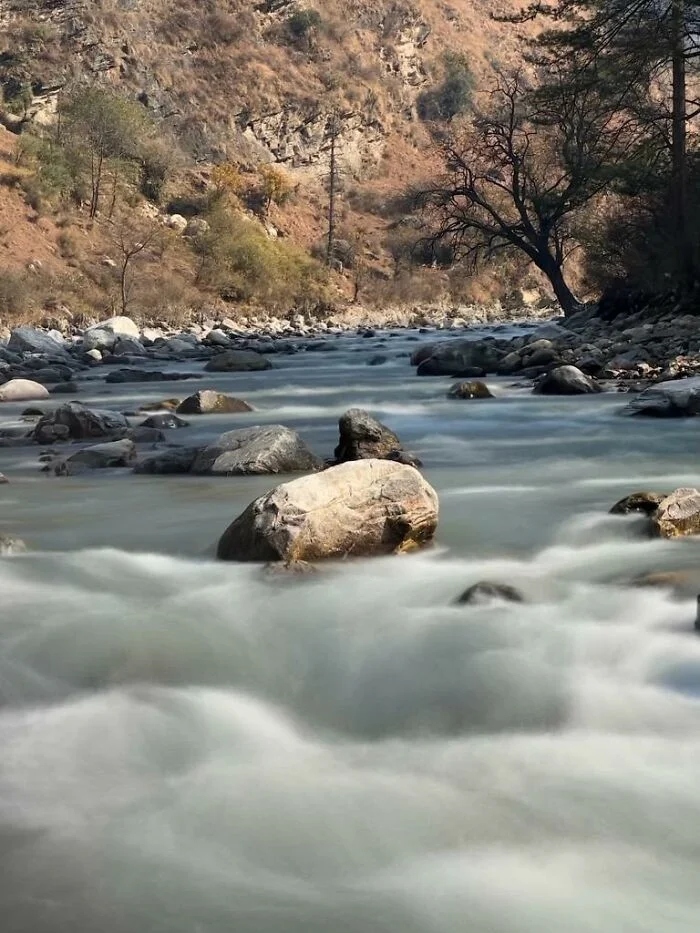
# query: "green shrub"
{"type": "Point", "coordinates": [453, 95]}
{"type": "Point", "coordinates": [301, 23]}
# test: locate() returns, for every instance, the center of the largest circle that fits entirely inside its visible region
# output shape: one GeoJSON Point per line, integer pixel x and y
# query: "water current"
{"type": "Point", "coordinates": [194, 747]}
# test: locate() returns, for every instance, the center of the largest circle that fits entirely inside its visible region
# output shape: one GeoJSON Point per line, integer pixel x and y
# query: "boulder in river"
{"type": "Point", "coordinates": [237, 361]}
{"type": "Point", "coordinates": [103, 336]}
{"type": "Point", "coordinates": [363, 437]}
{"type": "Point", "coordinates": [466, 358]}
{"type": "Point", "coordinates": [120, 453]}
{"type": "Point", "coordinates": [166, 422]}
{"type": "Point", "coordinates": [678, 514]}
{"type": "Point", "coordinates": [645, 502]}
{"type": "Point", "coordinates": [22, 390]}
{"type": "Point", "coordinates": [209, 402]}
{"type": "Point", "coordinates": [486, 591]}
{"type": "Point", "coordinates": [566, 380]}
{"type": "Point", "coordinates": [31, 340]}
{"type": "Point", "coordinates": [677, 398]}
{"type": "Point", "coordinates": [169, 462]}
{"type": "Point", "coordinates": [256, 450]}
{"type": "Point", "coordinates": [361, 508]}
{"type": "Point", "coordinates": [470, 389]}
{"type": "Point", "coordinates": [81, 422]}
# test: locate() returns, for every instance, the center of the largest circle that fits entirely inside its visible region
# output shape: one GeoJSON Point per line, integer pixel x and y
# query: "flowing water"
{"type": "Point", "coordinates": [192, 747]}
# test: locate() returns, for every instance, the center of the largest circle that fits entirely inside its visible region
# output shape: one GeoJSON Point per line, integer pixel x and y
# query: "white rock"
{"type": "Point", "coordinates": [104, 335]}
{"type": "Point", "coordinates": [177, 222]}
{"type": "Point", "coordinates": [22, 390]}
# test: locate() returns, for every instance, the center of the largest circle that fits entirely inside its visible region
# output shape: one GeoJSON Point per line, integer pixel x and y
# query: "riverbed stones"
{"type": "Point", "coordinates": [81, 423]}
{"type": "Point", "coordinates": [360, 508]}
{"type": "Point", "coordinates": [238, 361]}
{"type": "Point", "coordinates": [645, 502]}
{"type": "Point", "coordinates": [165, 422]}
{"type": "Point", "coordinates": [566, 380]}
{"type": "Point", "coordinates": [255, 450]}
{"type": "Point", "coordinates": [363, 437]}
{"type": "Point", "coordinates": [486, 591]}
{"type": "Point", "coordinates": [31, 340]}
{"type": "Point", "coordinates": [104, 336]}
{"type": "Point", "coordinates": [22, 390]}
{"type": "Point", "coordinates": [121, 453]}
{"type": "Point", "coordinates": [677, 515]}
{"type": "Point", "coordinates": [469, 389]}
{"type": "Point", "coordinates": [209, 402]}
{"type": "Point", "coordinates": [678, 398]}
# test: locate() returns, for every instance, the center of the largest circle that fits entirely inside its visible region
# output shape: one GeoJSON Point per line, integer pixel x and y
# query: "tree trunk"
{"type": "Point", "coordinates": [566, 298]}
{"type": "Point", "coordinates": [679, 175]}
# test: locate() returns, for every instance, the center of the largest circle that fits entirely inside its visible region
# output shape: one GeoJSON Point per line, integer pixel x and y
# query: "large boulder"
{"type": "Point", "coordinates": [467, 358]}
{"type": "Point", "coordinates": [362, 508]}
{"type": "Point", "coordinates": [208, 402]}
{"type": "Point", "coordinates": [31, 340]}
{"type": "Point", "coordinates": [566, 380]}
{"type": "Point", "coordinates": [22, 390]}
{"type": "Point", "coordinates": [678, 514]}
{"type": "Point", "coordinates": [98, 457]}
{"type": "Point", "coordinates": [470, 389]}
{"type": "Point", "coordinates": [78, 422]}
{"type": "Point", "coordinates": [679, 398]}
{"type": "Point", "coordinates": [238, 361]}
{"type": "Point", "coordinates": [104, 336]}
{"type": "Point", "coordinates": [645, 502]}
{"type": "Point", "coordinates": [169, 462]}
{"type": "Point", "coordinates": [256, 450]}
{"type": "Point", "coordinates": [362, 437]}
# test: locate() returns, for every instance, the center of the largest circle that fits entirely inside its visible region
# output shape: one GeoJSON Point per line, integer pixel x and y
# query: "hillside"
{"type": "Point", "coordinates": [245, 83]}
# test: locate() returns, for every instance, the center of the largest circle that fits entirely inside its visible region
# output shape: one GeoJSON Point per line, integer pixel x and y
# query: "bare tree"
{"type": "Point", "coordinates": [133, 243]}
{"type": "Point", "coordinates": [521, 174]}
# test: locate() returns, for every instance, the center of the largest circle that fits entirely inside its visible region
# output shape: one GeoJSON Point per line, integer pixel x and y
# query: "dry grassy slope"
{"type": "Point", "coordinates": [228, 82]}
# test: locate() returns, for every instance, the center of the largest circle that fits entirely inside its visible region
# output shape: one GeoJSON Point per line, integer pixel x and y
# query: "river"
{"type": "Point", "coordinates": [193, 747]}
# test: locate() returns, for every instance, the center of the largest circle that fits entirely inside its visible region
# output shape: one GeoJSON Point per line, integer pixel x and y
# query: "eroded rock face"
{"type": "Point", "coordinates": [361, 508]}
{"type": "Point", "coordinates": [208, 402]}
{"type": "Point", "coordinates": [238, 361]}
{"type": "Point", "coordinates": [679, 398]}
{"type": "Point", "coordinates": [678, 514]}
{"type": "Point", "coordinates": [645, 502]}
{"type": "Point", "coordinates": [566, 380]}
{"type": "Point", "coordinates": [363, 437]}
{"type": "Point", "coordinates": [256, 450]}
{"type": "Point", "coordinates": [470, 389]}
{"type": "Point", "coordinates": [79, 422]}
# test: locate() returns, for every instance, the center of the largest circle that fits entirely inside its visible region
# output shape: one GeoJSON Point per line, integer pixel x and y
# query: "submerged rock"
{"type": "Point", "coordinates": [471, 389]}
{"type": "Point", "coordinates": [120, 453]}
{"type": "Point", "coordinates": [256, 450]}
{"type": "Point", "coordinates": [678, 514]}
{"type": "Point", "coordinates": [566, 380]}
{"type": "Point", "coordinates": [487, 591]}
{"type": "Point", "coordinates": [645, 502]}
{"type": "Point", "coordinates": [361, 508]}
{"type": "Point", "coordinates": [170, 462]}
{"type": "Point", "coordinates": [22, 390]}
{"type": "Point", "coordinates": [237, 361]}
{"type": "Point", "coordinates": [209, 402]}
{"type": "Point", "coordinates": [164, 422]}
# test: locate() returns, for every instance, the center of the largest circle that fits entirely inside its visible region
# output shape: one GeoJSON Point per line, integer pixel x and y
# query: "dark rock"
{"type": "Point", "coordinates": [675, 399]}
{"type": "Point", "coordinates": [405, 457]}
{"type": "Point", "coordinates": [208, 402]}
{"type": "Point", "coordinates": [141, 435]}
{"type": "Point", "coordinates": [645, 502]}
{"type": "Point", "coordinates": [120, 453]}
{"type": "Point", "coordinates": [473, 389]}
{"type": "Point", "coordinates": [145, 375]}
{"type": "Point", "coordinates": [81, 423]}
{"type": "Point", "coordinates": [164, 422]}
{"type": "Point", "coordinates": [65, 388]}
{"type": "Point", "coordinates": [377, 360]}
{"type": "Point", "coordinates": [174, 460]}
{"type": "Point", "coordinates": [566, 380]}
{"type": "Point", "coordinates": [237, 361]}
{"type": "Point", "coordinates": [256, 450]}
{"type": "Point", "coordinates": [362, 437]}
{"type": "Point", "coordinates": [486, 591]}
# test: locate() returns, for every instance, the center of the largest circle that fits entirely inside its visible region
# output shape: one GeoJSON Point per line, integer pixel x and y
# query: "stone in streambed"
{"type": "Point", "coordinates": [678, 515]}
{"type": "Point", "coordinates": [361, 508]}
{"type": "Point", "coordinates": [104, 336]}
{"type": "Point", "coordinates": [166, 404]}
{"type": "Point", "coordinates": [645, 502]}
{"type": "Point", "coordinates": [566, 380]}
{"type": "Point", "coordinates": [237, 361]}
{"type": "Point", "coordinates": [120, 453]}
{"type": "Point", "coordinates": [171, 462]}
{"type": "Point", "coordinates": [79, 422]}
{"type": "Point", "coordinates": [363, 437]}
{"type": "Point", "coordinates": [256, 450]}
{"type": "Point", "coordinates": [164, 422]}
{"type": "Point", "coordinates": [679, 398]}
{"type": "Point", "coordinates": [22, 390]}
{"type": "Point", "coordinates": [209, 402]}
{"type": "Point", "coordinates": [30, 340]}
{"type": "Point", "coordinates": [470, 389]}
{"type": "Point", "coordinates": [487, 591]}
